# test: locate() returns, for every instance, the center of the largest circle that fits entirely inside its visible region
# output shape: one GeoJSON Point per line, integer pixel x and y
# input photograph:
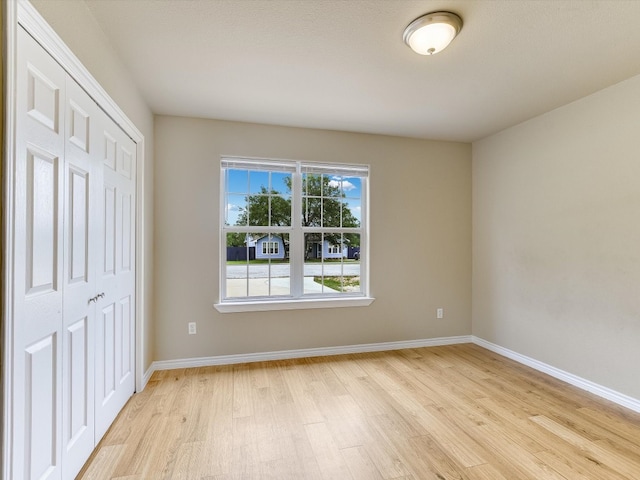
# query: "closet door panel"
{"type": "Point", "coordinates": [43, 220]}
{"type": "Point", "coordinates": [78, 208]}
{"type": "Point", "coordinates": [77, 354]}
{"type": "Point", "coordinates": [126, 359]}
{"type": "Point", "coordinates": [115, 380]}
{"type": "Point", "coordinates": [43, 96]}
{"type": "Point", "coordinates": [38, 264]}
{"type": "Point", "coordinates": [106, 354]}
{"type": "Point", "coordinates": [40, 404]}
{"type": "Point", "coordinates": [81, 232]}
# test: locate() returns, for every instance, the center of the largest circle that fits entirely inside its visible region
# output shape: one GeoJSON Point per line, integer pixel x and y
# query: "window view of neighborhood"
{"type": "Point", "coordinates": [287, 219]}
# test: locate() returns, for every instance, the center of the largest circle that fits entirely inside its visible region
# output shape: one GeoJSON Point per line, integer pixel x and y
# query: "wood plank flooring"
{"type": "Point", "coordinates": [454, 412]}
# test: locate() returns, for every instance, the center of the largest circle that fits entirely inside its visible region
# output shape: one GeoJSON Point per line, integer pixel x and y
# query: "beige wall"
{"type": "Point", "coordinates": [420, 239]}
{"type": "Point", "coordinates": [73, 22]}
{"type": "Point", "coordinates": [556, 238]}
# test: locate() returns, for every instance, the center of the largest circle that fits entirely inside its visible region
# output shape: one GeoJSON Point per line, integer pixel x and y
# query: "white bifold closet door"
{"type": "Point", "coordinates": [74, 303]}
{"type": "Point", "coordinates": [115, 263]}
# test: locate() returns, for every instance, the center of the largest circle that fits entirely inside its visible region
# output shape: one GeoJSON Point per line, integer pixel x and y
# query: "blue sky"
{"type": "Point", "coordinates": [241, 183]}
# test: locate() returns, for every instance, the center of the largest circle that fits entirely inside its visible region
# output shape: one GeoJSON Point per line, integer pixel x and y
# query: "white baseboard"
{"type": "Point", "coordinates": [146, 377]}
{"type": "Point", "coordinates": [303, 353]}
{"type": "Point", "coordinates": [604, 392]}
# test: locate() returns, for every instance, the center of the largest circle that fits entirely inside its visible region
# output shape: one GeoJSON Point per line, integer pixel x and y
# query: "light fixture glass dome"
{"type": "Point", "coordinates": [432, 32]}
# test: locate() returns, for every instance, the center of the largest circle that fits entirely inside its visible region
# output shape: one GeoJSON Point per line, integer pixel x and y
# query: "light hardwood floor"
{"type": "Point", "coordinates": [455, 412]}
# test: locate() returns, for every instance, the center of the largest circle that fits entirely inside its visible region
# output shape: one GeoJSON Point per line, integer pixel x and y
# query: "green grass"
{"type": "Point", "coordinates": [335, 283]}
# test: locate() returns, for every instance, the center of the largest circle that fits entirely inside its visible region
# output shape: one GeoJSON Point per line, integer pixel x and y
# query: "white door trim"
{"type": "Point", "coordinates": [10, 27]}
{"type": "Point", "coordinates": [21, 12]}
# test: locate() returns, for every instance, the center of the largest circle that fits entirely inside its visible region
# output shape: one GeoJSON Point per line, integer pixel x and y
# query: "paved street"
{"type": "Point", "coordinates": [261, 270]}
{"type": "Point", "coordinates": [241, 287]}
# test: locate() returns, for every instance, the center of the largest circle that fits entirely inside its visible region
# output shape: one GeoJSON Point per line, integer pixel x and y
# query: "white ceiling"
{"type": "Point", "coordinates": [342, 64]}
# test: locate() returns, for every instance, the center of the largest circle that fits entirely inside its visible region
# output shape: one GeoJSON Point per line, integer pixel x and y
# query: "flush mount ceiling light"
{"type": "Point", "coordinates": [432, 32]}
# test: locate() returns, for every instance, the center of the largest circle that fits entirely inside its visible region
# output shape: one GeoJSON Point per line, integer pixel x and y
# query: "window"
{"type": "Point", "coordinates": [333, 249]}
{"type": "Point", "coordinates": [292, 232]}
{"type": "Point", "coordinates": [270, 248]}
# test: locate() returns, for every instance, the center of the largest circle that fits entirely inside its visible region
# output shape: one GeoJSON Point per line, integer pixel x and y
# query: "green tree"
{"type": "Point", "coordinates": [236, 239]}
{"type": "Point", "coordinates": [323, 205]}
{"type": "Point", "coordinates": [267, 208]}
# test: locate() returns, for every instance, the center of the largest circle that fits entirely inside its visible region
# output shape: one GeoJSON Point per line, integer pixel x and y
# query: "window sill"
{"type": "Point", "coordinates": [264, 306]}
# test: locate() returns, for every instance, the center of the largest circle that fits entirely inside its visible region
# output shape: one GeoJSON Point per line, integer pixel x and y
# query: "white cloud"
{"type": "Point", "coordinates": [232, 213]}
{"type": "Point", "coordinates": [346, 184]}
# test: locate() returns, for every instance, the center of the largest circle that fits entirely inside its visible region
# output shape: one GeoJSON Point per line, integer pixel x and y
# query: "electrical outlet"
{"type": "Point", "coordinates": [192, 328]}
{"type": "Point", "coordinates": [440, 313]}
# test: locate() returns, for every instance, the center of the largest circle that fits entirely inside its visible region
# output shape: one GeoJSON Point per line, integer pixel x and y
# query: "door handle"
{"type": "Point", "coordinates": [95, 299]}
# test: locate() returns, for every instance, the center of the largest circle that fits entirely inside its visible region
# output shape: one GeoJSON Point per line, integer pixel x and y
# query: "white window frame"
{"type": "Point", "coordinates": [297, 299]}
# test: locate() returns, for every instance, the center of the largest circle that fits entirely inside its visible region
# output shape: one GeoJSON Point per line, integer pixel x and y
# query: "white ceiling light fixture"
{"type": "Point", "coordinates": [432, 32]}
